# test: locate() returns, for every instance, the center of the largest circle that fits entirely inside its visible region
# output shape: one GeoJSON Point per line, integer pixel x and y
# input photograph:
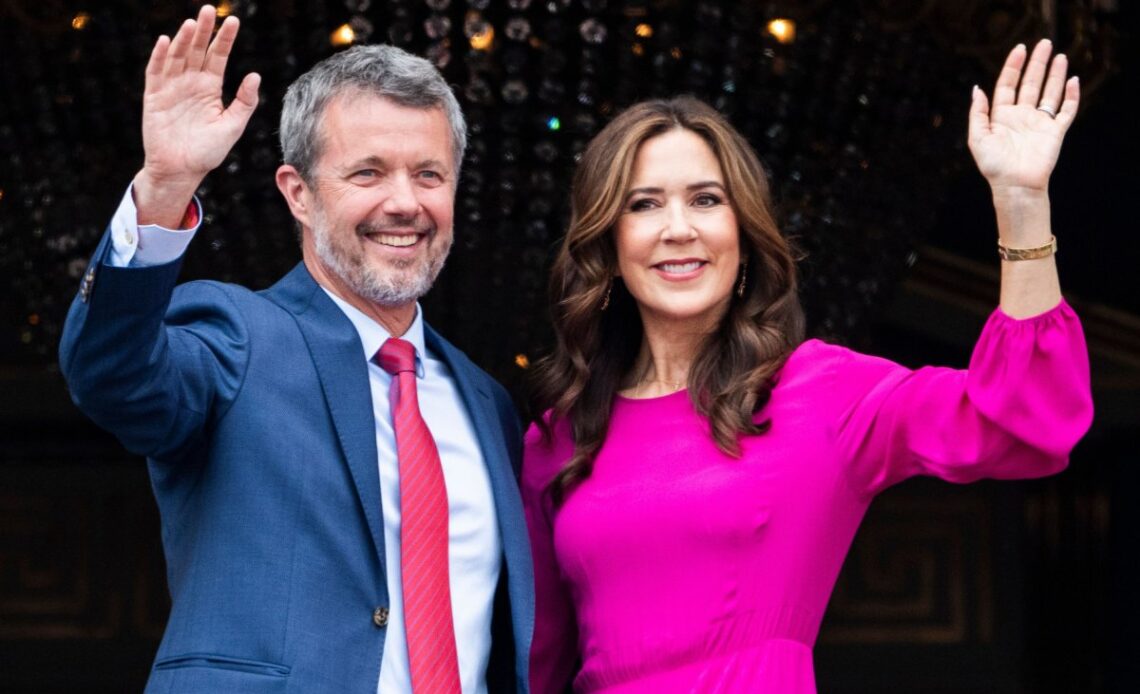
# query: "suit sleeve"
{"type": "Point", "coordinates": [1016, 412]}
{"type": "Point", "coordinates": [148, 363]}
{"type": "Point", "coordinates": [554, 649]}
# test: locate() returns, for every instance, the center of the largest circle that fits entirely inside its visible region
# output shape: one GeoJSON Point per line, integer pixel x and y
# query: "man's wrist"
{"type": "Point", "coordinates": [165, 202]}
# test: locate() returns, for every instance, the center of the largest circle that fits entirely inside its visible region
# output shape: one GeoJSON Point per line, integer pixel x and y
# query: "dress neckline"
{"type": "Point", "coordinates": [657, 398]}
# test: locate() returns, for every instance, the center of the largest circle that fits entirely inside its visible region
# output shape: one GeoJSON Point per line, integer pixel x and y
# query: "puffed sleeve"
{"type": "Point", "coordinates": [1016, 412]}
{"type": "Point", "coordinates": [554, 649]}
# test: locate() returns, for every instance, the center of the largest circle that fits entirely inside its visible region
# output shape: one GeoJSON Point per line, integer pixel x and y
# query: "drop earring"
{"type": "Point", "coordinates": [606, 300]}
{"type": "Point", "coordinates": [743, 276]}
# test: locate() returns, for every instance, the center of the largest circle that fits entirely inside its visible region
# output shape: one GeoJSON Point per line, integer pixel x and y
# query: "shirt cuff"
{"type": "Point", "coordinates": [133, 245]}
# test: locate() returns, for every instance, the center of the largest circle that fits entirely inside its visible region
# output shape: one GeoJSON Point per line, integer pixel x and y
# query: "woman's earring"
{"type": "Point", "coordinates": [606, 300]}
{"type": "Point", "coordinates": [743, 275]}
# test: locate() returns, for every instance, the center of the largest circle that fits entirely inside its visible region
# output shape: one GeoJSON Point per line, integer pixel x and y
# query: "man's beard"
{"type": "Point", "coordinates": [396, 282]}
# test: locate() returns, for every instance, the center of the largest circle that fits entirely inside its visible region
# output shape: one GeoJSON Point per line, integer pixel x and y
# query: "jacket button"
{"type": "Point", "coordinates": [380, 617]}
{"type": "Point", "coordinates": [85, 285]}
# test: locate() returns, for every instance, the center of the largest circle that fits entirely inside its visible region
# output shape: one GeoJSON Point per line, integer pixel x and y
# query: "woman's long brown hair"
{"type": "Point", "coordinates": [730, 379]}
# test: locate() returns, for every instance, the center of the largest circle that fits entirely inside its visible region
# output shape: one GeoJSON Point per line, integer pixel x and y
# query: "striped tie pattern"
{"type": "Point", "coordinates": [432, 657]}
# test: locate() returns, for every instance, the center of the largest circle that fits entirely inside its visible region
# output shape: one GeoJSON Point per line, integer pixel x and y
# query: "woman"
{"type": "Point", "coordinates": [700, 472]}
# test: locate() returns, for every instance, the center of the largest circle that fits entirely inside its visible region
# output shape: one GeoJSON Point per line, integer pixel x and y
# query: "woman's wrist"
{"type": "Point", "coordinates": [1023, 217]}
{"type": "Point", "coordinates": [1019, 196]}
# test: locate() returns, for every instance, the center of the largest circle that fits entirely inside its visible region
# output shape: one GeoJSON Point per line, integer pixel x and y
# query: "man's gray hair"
{"type": "Point", "coordinates": [384, 71]}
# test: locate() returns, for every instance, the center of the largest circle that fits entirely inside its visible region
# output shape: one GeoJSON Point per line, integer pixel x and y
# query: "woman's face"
{"type": "Point", "coordinates": [678, 244]}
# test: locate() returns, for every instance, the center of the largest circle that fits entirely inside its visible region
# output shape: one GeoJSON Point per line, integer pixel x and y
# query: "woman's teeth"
{"type": "Point", "coordinates": [680, 268]}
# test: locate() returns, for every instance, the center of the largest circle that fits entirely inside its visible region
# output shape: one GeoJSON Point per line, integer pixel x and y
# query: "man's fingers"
{"type": "Point", "coordinates": [179, 48]}
{"type": "Point", "coordinates": [220, 48]}
{"type": "Point", "coordinates": [1030, 92]}
{"type": "Point", "coordinates": [156, 63]}
{"type": "Point", "coordinates": [245, 101]}
{"type": "Point", "coordinates": [246, 97]}
{"type": "Point", "coordinates": [201, 39]}
{"type": "Point", "coordinates": [1005, 90]}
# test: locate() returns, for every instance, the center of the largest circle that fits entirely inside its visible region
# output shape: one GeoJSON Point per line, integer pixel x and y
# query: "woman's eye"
{"type": "Point", "coordinates": [639, 205]}
{"type": "Point", "coordinates": [706, 200]}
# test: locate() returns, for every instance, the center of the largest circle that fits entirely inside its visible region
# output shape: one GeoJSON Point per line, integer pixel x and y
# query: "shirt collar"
{"type": "Point", "coordinates": [373, 335]}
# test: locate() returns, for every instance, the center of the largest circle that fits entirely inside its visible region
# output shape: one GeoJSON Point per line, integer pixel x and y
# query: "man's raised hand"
{"type": "Point", "coordinates": [187, 129]}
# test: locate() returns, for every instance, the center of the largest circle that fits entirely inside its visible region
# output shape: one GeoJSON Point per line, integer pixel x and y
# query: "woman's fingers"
{"type": "Point", "coordinates": [1035, 69]}
{"type": "Point", "coordinates": [979, 118]}
{"type": "Point", "coordinates": [1033, 80]}
{"type": "Point", "coordinates": [1071, 101]}
{"type": "Point", "coordinates": [1054, 90]}
{"type": "Point", "coordinates": [1005, 90]}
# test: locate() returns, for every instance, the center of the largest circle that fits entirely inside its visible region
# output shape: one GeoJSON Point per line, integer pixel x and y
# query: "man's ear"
{"type": "Point", "coordinates": [296, 193]}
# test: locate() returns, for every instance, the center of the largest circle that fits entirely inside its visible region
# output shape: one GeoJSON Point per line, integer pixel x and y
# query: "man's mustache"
{"type": "Point", "coordinates": [395, 225]}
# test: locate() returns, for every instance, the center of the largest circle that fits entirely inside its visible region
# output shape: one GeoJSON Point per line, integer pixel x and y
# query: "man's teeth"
{"type": "Point", "coordinates": [396, 239]}
{"type": "Point", "coordinates": [680, 268]}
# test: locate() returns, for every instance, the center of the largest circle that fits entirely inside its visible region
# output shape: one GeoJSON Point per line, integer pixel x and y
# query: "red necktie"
{"type": "Point", "coordinates": [423, 531]}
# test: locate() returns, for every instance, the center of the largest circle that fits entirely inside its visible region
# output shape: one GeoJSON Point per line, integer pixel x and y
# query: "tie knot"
{"type": "Point", "coordinates": [397, 355]}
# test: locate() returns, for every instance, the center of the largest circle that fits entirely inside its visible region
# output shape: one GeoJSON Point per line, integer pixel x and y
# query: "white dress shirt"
{"type": "Point", "coordinates": [475, 546]}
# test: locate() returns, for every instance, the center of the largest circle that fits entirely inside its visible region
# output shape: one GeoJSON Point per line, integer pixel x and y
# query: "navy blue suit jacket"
{"type": "Point", "coordinates": [254, 412]}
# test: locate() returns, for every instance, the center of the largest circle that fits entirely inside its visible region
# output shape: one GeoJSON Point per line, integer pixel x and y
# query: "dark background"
{"type": "Point", "coordinates": [1010, 587]}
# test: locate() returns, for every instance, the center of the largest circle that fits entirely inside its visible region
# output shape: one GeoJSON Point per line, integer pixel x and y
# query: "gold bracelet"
{"type": "Point", "coordinates": [1028, 253]}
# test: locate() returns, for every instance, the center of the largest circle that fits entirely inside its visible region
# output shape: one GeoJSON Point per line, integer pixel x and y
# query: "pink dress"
{"type": "Point", "coordinates": [675, 568]}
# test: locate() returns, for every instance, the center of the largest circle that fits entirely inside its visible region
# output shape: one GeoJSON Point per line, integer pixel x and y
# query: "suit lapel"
{"type": "Point", "coordinates": [337, 354]}
{"type": "Point", "coordinates": [473, 388]}
{"type": "Point", "coordinates": [480, 407]}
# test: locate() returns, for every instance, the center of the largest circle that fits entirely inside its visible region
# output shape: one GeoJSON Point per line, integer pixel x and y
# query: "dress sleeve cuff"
{"type": "Point", "coordinates": [1032, 376]}
{"type": "Point", "coordinates": [1061, 306]}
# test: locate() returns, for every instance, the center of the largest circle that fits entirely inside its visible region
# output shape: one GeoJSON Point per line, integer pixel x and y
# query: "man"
{"type": "Point", "coordinates": [318, 536]}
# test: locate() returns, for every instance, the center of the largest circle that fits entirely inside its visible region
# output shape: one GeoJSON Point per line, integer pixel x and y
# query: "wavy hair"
{"type": "Point", "coordinates": [730, 379]}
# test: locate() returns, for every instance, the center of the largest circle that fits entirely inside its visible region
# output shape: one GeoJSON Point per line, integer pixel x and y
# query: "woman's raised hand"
{"type": "Point", "coordinates": [1016, 139]}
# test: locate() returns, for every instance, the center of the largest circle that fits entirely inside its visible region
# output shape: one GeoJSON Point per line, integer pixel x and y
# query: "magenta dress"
{"type": "Point", "coordinates": [675, 568]}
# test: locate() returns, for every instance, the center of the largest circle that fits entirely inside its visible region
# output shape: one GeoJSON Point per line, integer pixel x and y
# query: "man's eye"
{"type": "Point", "coordinates": [365, 173]}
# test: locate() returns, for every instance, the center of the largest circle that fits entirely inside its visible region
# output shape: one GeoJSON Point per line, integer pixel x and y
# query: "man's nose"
{"type": "Point", "coordinates": [401, 200]}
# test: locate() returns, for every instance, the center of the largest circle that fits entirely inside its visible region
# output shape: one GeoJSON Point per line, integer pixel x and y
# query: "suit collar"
{"type": "Point", "coordinates": [295, 291]}
{"type": "Point", "coordinates": [373, 335]}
